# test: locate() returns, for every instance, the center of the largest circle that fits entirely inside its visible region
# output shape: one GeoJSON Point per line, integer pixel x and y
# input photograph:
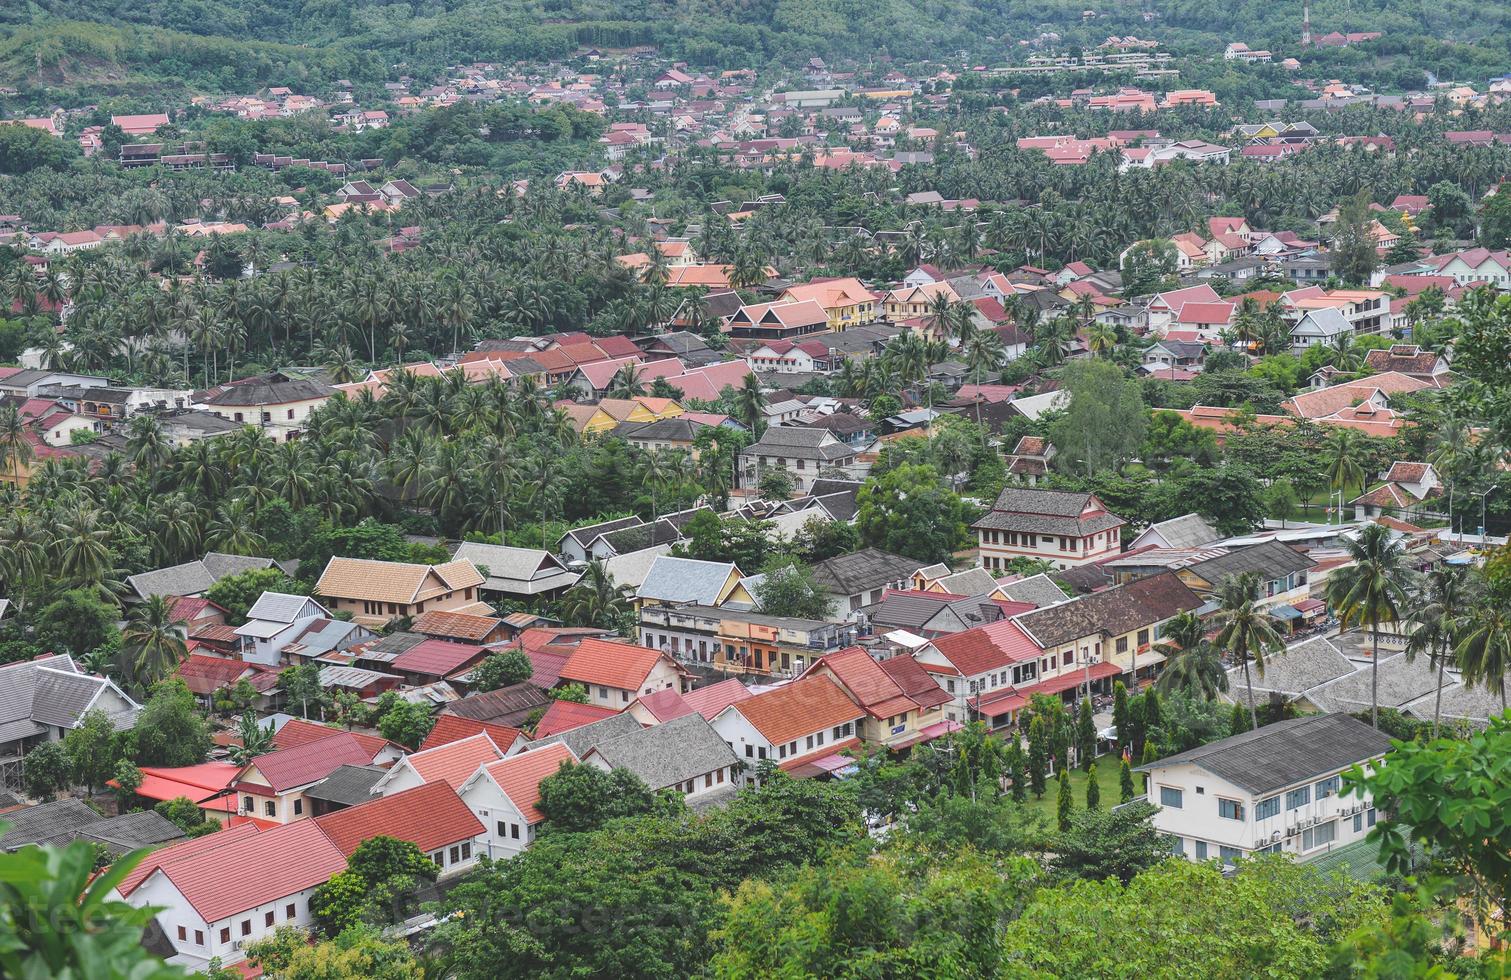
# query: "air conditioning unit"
{"type": "Point", "coordinates": [1274, 836]}
{"type": "Point", "coordinates": [1292, 831]}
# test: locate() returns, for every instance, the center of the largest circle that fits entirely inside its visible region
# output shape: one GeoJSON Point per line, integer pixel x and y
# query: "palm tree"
{"type": "Point", "coordinates": [1246, 632]}
{"type": "Point", "coordinates": [15, 444]}
{"type": "Point", "coordinates": [1190, 662]}
{"type": "Point", "coordinates": [1101, 338]}
{"type": "Point", "coordinates": [1437, 613]}
{"type": "Point", "coordinates": [596, 600]}
{"type": "Point", "coordinates": [1484, 650]}
{"type": "Point", "coordinates": [626, 383]}
{"type": "Point", "coordinates": [152, 644]}
{"type": "Point", "coordinates": [749, 403]}
{"type": "Point", "coordinates": [1370, 591]}
{"type": "Point", "coordinates": [1344, 469]}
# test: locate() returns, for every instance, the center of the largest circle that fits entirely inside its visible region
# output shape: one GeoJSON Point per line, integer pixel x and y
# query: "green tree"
{"type": "Point", "coordinates": [237, 593]}
{"type": "Point", "coordinates": [152, 644]}
{"type": "Point", "coordinates": [1038, 757]}
{"type": "Point", "coordinates": [1017, 769]}
{"type": "Point", "coordinates": [358, 953]}
{"type": "Point", "coordinates": [184, 812]}
{"type": "Point", "coordinates": [1495, 222]}
{"type": "Point", "coordinates": [1369, 591]}
{"type": "Point", "coordinates": [1086, 736]}
{"type": "Point", "coordinates": [57, 918]}
{"type": "Point", "coordinates": [1354, 246]}
{"type": "Point", "coordinates": [1104, 422]}
{"type": "Point", "coordinates": [170, 731]}
{"type": "Point", "coordinates": [1093, 791]}
{"type": "Point", "coordinates": [406, 723]}
{"type": "Point", "coordinates": [1064, 805]}
{"type": "Point", "coordinates": [1125, 781]}
{"type": "Point", "coordinates": [128, 779]}
{"type": "Point", "coordinates": [377, 887]}
{"type": "Point", "coordinates": [1120, 713]}
{"type": "Point", "coordinates": [76, 622]}
{"type": "Point", "coordinates": [1246, 632]}
{"type": "Point", "coordinates": [788, 589]}
{"type": "Point", "coordinates": [302, 689]}
{"type": "Point", "coordinates": [1241, 720]}
{"type": "Point", "coordinates": [908, 511]}
{"type": "Point", "coordinates": [93, 749]}
{"type": "Point", "coordinates": [502, 670]}
{"type": "Point", "coordinates": [255, 738]}
{"type": "Point", "coordinates": [1101, 844]}
{"type": "Point", "coordinates": [581, 797]}
{"type": "Point", "coordinates": [46, 770]}
{"type": "Point", "coordinates": [776, 485]}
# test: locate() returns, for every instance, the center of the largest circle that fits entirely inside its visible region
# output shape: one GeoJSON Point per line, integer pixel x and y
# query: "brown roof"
{"type": "Point", "coordinates": [461, 626]}
{"type": "Point", "coordinates": [800, 708]}
{"type": "Point", "coordinates": [394, 581]}
{"type": "Point", "coordinates": [1111, 612]}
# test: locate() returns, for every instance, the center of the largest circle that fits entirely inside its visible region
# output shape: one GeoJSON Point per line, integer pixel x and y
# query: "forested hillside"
{"type": "Point", "coordinates": [116, 46]}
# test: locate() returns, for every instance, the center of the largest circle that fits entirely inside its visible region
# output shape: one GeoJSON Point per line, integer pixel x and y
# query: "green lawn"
{"type": "Point", "coordinates": [1107, 781]}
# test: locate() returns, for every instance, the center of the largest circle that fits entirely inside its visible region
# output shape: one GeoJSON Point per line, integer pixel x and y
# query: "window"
{"type": "Point", "coordinates": [270, 808]}
{"type": "Point", "coordinates": [809, 743]}
{"type": "Point", "coordinates": [289, 911]}
{"type": "Point", "coordinates": [1319, 836]}
{"type": "Point", "coordinates": [456, 854]}
{"type": "Point", "coordinates": [708, 780]}
{"type": "Point", "coordinates": [183, 934]}
{"type": "Point", "coordinates": [514, 831]}
{"type": "Point", "coordinates": [1171, 797]}
{"type": "Point", "coordinates": [1178, 846]}
{"type": "Point", "coordinates": [225, 934]}
{"type": "Point", "coordinates": [1274, 848]}
{"type": "Point", "coordinates": [1122, 644]}
{"type": "Point", "coordinates": [603, 692]}
{"type": "Point", "coordinates": [1265, 809]}
{"type": "Point", "coordinates": [439, 857]}
{"type": "Point", "coordinates": [467, 851]}
{"type": "Point", "coordinates": [1143, 637]}
{"type": "Point", "coordinates": [1358, 822]}
{"type": "Point", "coordinates": [624, 696]}
{"type": "Point", "coordinates": [267, 919]}
{"type": "Point", "coordinates": [781, 752]}
{"type": "Point", "coordinates": [1298, 798]}
{"type": "Point", "coordinates": [1229, 809]}
{"type": "Point", "coordinates": [503, 829]}
{"type": "Point", "coordinates": [760, 751]}
{"type": "Point", "coordinates": [199, 937]}
{"type": "Point", "coordinates": [298, 807]}
{"type": "Point", "coordinates": [246, 927]}
{"type": "Point", "coordinates": [749, 751]}
{"type": "Point", "coordinates": [1327, 787]}
{"type": "Point", "coordinates": [1229, 854]}
{"type": "Point", "coordinates": [248, 805]}
{"type": "Point", "coordinates": [1369, 816]}
{"type": "Point", "coordinates": [1201, 850]}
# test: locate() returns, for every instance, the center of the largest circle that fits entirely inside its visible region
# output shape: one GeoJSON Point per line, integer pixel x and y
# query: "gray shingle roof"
{"type": "Point", "coordinates": [1270, 559]}
{"type": "Point", "coordinates": [1038, 589]}
{"type": "Point", "coordinates": [1295, 670]}
{"type": "Point", "coordinates": [219, 564]}
{"type": "Point", "coordinates": [799, 441]}
{"type": "Point", "coordinates": [671, 753]}
{"type": "Point", "coordinates": [685, 580]}
{"type": "Point", "coordinates": [348, 785]}
{"type": "Point", "coordinates": [189, 579]}
{"type": "Point", "coordinates": [1047, 503]}
{"type": "Point", "coordinates": [862, 571]}
{"type": "Point", "coordinates": [1285, 753]}
{"type": "Point", "coordinates": [267, 389]}
{"type": "Point", "coordinates": [586, 737]}
{"type": "Point", "coordinates": [129, 831]}
{"type": "Point", "coordinates": [277, 607]}
{"type": "Point", "coordinates": [631, 539]}
{"type": "Point", "coordinates": [1400, 683]}
{"type": "Point", "coordinates": [46, 823]}
{"type": "Point", "coordinates": [585, 536]}
{"type": "Point", "coordinates": [1186, 531]}
{"type": "Point", "coordinates": [60, 697]}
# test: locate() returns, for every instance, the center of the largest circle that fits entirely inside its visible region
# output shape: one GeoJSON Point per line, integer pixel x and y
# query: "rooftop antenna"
{"type": "Point", "coordinates": [1306, 23]}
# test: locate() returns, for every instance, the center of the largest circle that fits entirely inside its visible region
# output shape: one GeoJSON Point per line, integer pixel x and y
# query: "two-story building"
{"type": "Point", "coordinates": [984, 671]}
{"type": "Point", "coordinates": [1275, 789]}
{"type": "Point", "coordinates": [846, 302]}
{"type": "Point", "coordinates": [278, 404]}
{"type": "Point", "coordinates": [738, 640]}
{"type": "Point", "coordinates": [274, 620]}
{"type": "Point", "coordinates": [802, 726]}
{"type": "Point", "coordinates": [271, 786]}
{"type": "Point", "coordinates": [375, 592]}
{"type": "Point", "coordinates": [504, 793]}
{"type": "Point", "coordinates": [861, 579]}
{"type": "Point", "coordinates": [903, 704]}
{"type": "Point", "coordinates": [1282, 572]}
{"type": "Point", "coordinates": [1063, 528]}
{"type": "Point", "coordinates": [799, 450]}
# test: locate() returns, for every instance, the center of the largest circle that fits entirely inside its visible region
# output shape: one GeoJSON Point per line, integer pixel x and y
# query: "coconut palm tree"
{"type": "Point", "coordinates": [1245, 631]}
{"type": "Point", "coordinates": [626, 383]}
{"type": "Point", "coordinates": [1101, 338]}
{"type": "Point", "coordinates": [1344, 469]}
{"type": "Point", "coordinates": [1437, 613]}
{"type": "Point", "coordinates": [596, 600]}
{"type": "Point", "coordinates": [1370, 591]}
{"type": "Point", "coordinates": [749, 403]}
{"type": "Point", "coordinates": [152, 644]}
{"type": "Point", "coordinates": [15, 445]}
{"type": "Point", "coordinates": [1484, 650]}
{"type": "Point", "coordinates": [1191, 664]}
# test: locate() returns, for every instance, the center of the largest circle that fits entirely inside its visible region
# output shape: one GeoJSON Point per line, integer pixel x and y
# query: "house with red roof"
{"type": "Point", "coordinates": [894, 717]}
{"type": "Point", "coordinates": [708, 701]}
{"type": "Point", "coordinates": [205, 784]}
{"type": "Point", "coordinates": [454, 728]}
{"type": "Point", "coordinates": [504, 794]}
{"type": "Point", "coordinates": [617, 673]}
{"type": "Point", "coordinates": [451, 762]}
{"type": "Point", "coordinates": [980, 670]}
{"type": "Point", "coordinates": [564, 716]}
{"type": "Point", "coordinates": [298, 731]}
{"type": "Point", "coordinates": [272, 785]}
{"type": "Point", "coordinates": [435, 660]}
{"type": "Point", "coordinates": [803, 726]}
{"type": "Point", "coordinates": [432, 817]}
{"type": "Point", "coordinates": [220, 892]}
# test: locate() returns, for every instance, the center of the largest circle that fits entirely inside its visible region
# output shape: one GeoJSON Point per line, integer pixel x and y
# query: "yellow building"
{"type": "Point", "coordinates": [846, 302]}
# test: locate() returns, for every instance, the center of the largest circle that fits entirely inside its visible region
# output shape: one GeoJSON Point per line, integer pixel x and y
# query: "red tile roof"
{"type": "Point", "coordinates": [182, 851]}
{"type": "Point", "coordinates": [665, 705]}
{"type": "Point", "coordinates": [430, 816]}
{"type": "Point", "coordinates": [519, 776]}
{"type": "Point", "coordinates": [298, 731]}
{"type": "Point", "coordinates": [563, 716]}
{"type": "Point", "coordinates": [437, 657]}
{"type": "Point", "coordinates": [709, 701]}
{"type": "Point", "coordinates": [310, 762]}
{"type": "Point", "coordinates": [619, 665]}
{"type": "Point", "coordinates": [865, 681]}
{"type": "Point", "coordinates": [455, 761]}
{"type": "Point", "coordinates": [453, 728]}
{"type": "Point", "coordinates": [799, 708]}
{"type": "Point", "coordinates": [255, 870]}
{"type": "Point", "coordinates": [986, 648]}
{"type": "Point", "coordinates": [915, 682]}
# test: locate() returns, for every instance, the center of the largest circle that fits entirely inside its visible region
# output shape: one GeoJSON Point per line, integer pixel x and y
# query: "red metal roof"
{"type": "Point", "coordinates": [709, 701]}
{"type": "Point", "coordinates": [986, 648]}
{"type": "Point", "coordinates": [204, 674]}
{"type": "Point", "coordinates": [182, 851]}
{"type": "Point", "coordinates": [453, 728]}
{"type": "Point", "coordinates": [301, 765]}
{"type": "Point", "coordinates": [429, 816]}
{"type": "Point", "coordinates": [298, 731]}
{"type": "Point", "coordinates": [437, 657]}
{"type": "Point", "coordinates": [519, 776]}
{"type": "Point", "coordinates": [196, 783]}
{"type": "Point", "coordinates": [563, 716]}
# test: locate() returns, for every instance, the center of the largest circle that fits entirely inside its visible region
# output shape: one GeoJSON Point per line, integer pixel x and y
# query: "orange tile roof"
{"type": "Point", "coordinates": [253, 869]}
{"type": "Point", "coordinates": [519, 776]}
{"type": "Point", "coordinates": [456, 761]}
{"type": "Point", "coordinates": [563, 716]}
{"type": "Point", "coordinates": [866, 682]}
{"type": "Point", "coordinates": [394, 581]}
{"type": "Point", "coordinates": [454, 728]}
{"type": "Point", "coordinates": [430, 816]}
{"type": "Point", "coordinates": [800, 708]}
{"type": "Point", "coordinates": [619, 665]}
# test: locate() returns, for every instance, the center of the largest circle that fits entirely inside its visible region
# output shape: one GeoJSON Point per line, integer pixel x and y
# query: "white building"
{"type": "Point", "coordinates": [503, 794]}
{"type": "Point", "coordinates": [274, 620]}
{"type": "Point", "coordinates": [1273, 790]}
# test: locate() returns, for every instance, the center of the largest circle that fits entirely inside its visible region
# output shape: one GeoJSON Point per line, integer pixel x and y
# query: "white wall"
{"type": "Point", "coordinates": [493, 808]}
